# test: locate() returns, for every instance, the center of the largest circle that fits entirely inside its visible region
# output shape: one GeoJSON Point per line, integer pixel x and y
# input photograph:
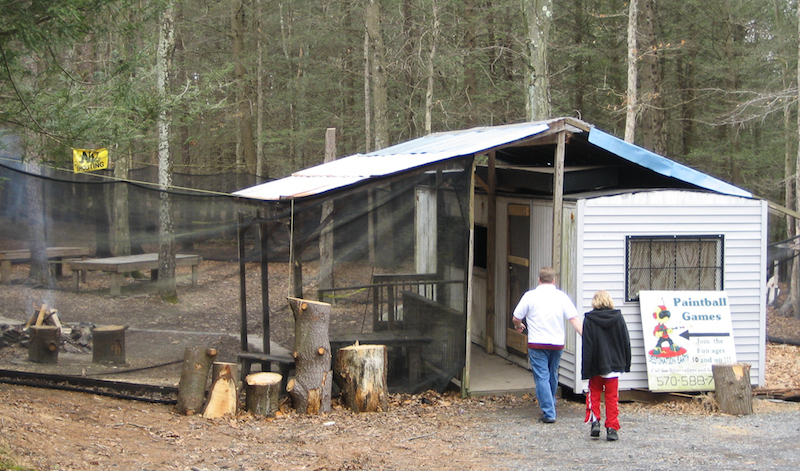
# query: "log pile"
{"type": "Point", "coordinates": [43, 316]}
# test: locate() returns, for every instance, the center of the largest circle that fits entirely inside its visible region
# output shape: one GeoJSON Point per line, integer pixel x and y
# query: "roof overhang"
{"type": "Point", "coordinates": [520, 140]}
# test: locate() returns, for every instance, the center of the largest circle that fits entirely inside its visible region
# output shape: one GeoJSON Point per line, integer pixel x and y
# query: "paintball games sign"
{"type": "Point", "coordinates": [685, 332]}
{"type": "Point", "coordinates": [86, 160]}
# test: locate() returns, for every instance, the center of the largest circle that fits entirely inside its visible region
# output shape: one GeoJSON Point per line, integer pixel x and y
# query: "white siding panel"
{"type": "Point", "coordinates": [606, 221]}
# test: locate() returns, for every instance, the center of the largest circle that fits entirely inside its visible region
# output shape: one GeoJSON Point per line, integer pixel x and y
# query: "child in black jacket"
{"type": "Point", "coordinates": [606, 355]}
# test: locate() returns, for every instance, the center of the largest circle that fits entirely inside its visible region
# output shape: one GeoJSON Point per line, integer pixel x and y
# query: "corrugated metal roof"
{"type": "Point", "coordinates": [662, 165]}
{"type": "Point", "coordinates": [402, 157]}
{"type": "Point", "coordinates": [442, 146]}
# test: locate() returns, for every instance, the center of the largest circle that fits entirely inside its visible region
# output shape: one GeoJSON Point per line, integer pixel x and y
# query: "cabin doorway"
{"type": "Point", "coordinates": [518, 263]}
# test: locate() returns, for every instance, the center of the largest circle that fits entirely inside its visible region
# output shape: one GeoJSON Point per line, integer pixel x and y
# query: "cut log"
{"type": "Point", "coordinates": [360, 372]}
{"type": "Point", "coordinates": [109, 344]}
{"type": "Point", "coordinates": [311, 393]}
{"type": "Point", "coordinates": [732, 388]}
{"type": "Point", "coordinates": [45, 341]}
{"type": "Point", "coordinates": [217, 366]}
{"type": "Point", "coordinates": [223, 400]}
{"type": "Point", "coordinates": [262, 393]}
{"type": "Point", "coordinates": [194, 378]}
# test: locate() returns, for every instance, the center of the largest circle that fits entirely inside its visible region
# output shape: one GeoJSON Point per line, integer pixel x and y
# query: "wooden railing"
{"type": "Point", "coordinates": [387, 302]}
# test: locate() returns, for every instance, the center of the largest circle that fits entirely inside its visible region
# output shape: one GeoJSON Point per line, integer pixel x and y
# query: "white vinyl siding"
{"type": "Point", "coordinates": [605, 222]}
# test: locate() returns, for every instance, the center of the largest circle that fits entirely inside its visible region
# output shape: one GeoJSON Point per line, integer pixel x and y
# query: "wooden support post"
{"type": "Point", "coordinates": [262, 393]}
{"type": "Point", "coordinates": [109, 344]}
{"type": "Point", "coordinates": [194, 378]}
{"type": "Point", "coordinates": [732, 388]}
{"type": "Point", "coordinates": [44, 345]}
{"type": "Point", "coordinates": [263, 236]}
{"type": "Point", "coordinates": [311, 392]}
{"type": "Point", "coordinates": [325, 278]}
{"type": "Point", "coordinates": [240, 233]}
{"type": "Point", "coordinates": [558, 202]}
{"type": "Point", "coordinates": [491, 255]}
{"type": "Point", "coordinates": [361, 375]}
{"type": "Point", "coordinates": [223, 399]}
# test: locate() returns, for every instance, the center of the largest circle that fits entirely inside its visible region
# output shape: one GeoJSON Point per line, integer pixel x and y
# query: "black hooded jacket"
{"type": "Point", "coordinates": [606, 343]}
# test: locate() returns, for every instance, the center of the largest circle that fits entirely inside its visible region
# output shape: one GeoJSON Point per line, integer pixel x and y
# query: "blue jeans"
{"type": "Point", "coordinates": [544, 364]}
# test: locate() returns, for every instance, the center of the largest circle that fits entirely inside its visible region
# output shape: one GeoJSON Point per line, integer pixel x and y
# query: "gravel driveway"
{"type": "Point", "coordinates": [651, 438]}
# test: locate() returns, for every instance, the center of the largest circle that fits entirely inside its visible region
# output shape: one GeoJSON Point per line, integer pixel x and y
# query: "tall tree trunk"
{"type": "Point", "coordinates": [120, 222]}
{"type": "Point", "coordinates": [409, 42]}
{"type": "Point", "coordinates": [471, 63]}
{"type": "Point", "coordinates": [632, 92]}
{"type": "Point", "coordinates": [788, 139]}
{"type": "Point", "coordinates": [40, 269]}
{"type": "Point", "coordinates": [795, 281]}
{"type": "Point", "coordinates": [166, 252]}
{"type": "Point", "coordinates": [367, 96]}
{"type": "Point", "coordinates": [686, 72]}
{"type": "Point", "coordinates": [653, 115]}
{"type": "Point", "coordinates": [242, 97]}
{"type": "Point", "coordinates": [431, 58]}
{"type": "Point", "coordinates": [378, 65]}
{"type": "Point", "coordinates": [291, 118]}
{"type": "Point", "coordinates": [578, 36]}
{"type": "Point", "coordinates": [262, 169]}
{"type": "Point", "coordinates": [539, 15]}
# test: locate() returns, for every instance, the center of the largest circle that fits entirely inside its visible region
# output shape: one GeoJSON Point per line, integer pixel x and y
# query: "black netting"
{"type": "Point", "coordinates": [396, 276]}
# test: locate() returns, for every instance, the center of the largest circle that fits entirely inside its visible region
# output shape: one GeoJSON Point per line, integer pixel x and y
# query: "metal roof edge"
{"type": "Point", "coordinates": [662, 165]}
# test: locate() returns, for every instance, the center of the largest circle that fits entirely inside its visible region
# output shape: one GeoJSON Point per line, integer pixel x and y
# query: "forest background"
{"type": "Point", "coordinates": [205, 87]}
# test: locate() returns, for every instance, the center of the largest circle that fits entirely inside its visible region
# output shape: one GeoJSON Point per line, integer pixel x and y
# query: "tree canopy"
{"type": "Point", "coordinates": [716, 78]}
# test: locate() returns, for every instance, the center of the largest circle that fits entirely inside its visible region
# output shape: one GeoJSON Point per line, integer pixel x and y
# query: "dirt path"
{"type": "Point", "coordinates": [49, 430]}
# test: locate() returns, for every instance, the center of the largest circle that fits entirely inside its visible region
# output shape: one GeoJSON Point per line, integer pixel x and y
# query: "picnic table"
{"type": "Point", "coordinates": [117, 266]}
{"type": "Point", "coordinates": [58, 254]}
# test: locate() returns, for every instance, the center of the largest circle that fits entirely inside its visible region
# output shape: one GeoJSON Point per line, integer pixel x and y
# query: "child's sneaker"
{"type": "Point", "coordinates": [612, 435]}
{"type": "Point", "coordinates": [595, 433]}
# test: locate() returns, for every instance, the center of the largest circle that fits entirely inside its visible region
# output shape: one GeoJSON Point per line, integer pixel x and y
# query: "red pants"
{"type": "Point", "coordinates": [598, 385]}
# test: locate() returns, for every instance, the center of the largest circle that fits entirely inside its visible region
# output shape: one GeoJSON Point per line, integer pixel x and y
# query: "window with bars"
{"type": "Point", "coordinates": [673, 263]}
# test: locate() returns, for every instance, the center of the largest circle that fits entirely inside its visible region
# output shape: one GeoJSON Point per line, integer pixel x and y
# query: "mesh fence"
{"type": "Point", "coordinates": [393, 268]}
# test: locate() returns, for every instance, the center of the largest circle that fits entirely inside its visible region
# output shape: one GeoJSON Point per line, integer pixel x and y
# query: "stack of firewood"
{"type": "Point", "coordinates": [44, 316]}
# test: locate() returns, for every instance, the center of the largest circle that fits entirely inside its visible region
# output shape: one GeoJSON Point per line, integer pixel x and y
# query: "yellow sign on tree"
{"type": "Point", "coordinates": [86, 160]}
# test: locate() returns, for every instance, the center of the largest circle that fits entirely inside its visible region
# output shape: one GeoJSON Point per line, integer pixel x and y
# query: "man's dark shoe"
{"type": "Point", "coordinates": [612, 435]}
{"type": "Point", "coordinates": [546, 420]}
{"type": "Point", "coordinates": [595, 433]}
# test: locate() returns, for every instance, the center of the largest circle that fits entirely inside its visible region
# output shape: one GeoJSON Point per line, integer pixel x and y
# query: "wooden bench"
{"type": "Point", "coordinates": [117, 266]}
{"type": "Point", "coordinates": [58, 254]}
{"type": "Point", "coordinates": [285, 365]}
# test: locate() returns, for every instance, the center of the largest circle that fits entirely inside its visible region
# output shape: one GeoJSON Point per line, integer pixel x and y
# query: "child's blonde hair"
{"type": "Point", "coordinates": [602, 300]}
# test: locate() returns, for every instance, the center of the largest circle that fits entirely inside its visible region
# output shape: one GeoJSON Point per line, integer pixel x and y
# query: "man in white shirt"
{"type": "Point", "coordinates": [544, 310]}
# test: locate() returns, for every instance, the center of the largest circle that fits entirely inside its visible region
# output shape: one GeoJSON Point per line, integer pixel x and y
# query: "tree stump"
{"type": "Point", "coordinates": [311, 391]}
{"type": "Point", "coordinates": [194, 378]}
{"type": "Point", "coordinates": [218, 366]}
{"type": "Point", "coordinates": [109, 344]}
{"type": "Point", "coordinates": [361, 375]}
{"type": "Point", "coordinates": [262, 393]}
{"type": "Point", "coordinates": [45, 341]}
{"type": "Point", "coordinates": [224, 398]}
{"type": "Point", "coordinates": [732, 388]}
